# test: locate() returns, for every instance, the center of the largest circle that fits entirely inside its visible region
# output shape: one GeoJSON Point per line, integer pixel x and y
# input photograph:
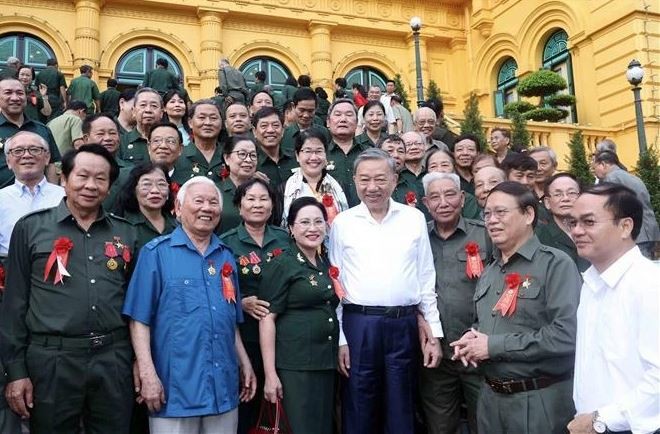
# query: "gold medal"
{"type": "Point", "coordinates": [211, 270]}
{"type": "Point", "coordinates": [112, 264]}
{"type": "Point", "coordinates": [256, 269]}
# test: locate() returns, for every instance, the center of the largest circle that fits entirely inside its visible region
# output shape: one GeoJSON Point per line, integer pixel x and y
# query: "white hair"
{"type": "Point", "coordinates": [181, 195]}
{"type": "Point", "coordinates": [10, 141]}
{"type": "Point", "coordinates": [431, 177]}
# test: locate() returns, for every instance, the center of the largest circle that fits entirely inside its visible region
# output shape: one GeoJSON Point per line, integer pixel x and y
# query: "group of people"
{"type": "Point", "coordinates": [184, 263]}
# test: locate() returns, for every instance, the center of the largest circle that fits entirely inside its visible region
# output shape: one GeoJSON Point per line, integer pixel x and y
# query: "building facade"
{"type": "Point", "coordinates": [484, 46]}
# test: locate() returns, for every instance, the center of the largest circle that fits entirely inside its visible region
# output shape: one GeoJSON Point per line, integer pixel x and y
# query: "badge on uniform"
{"type": "Point", "coordinates": [211, 269]}
{"type": "Point", "coordinates": [474, 266]}
{"type": "Point", "coordinates": [195, 168]}
{"type": "Point", "coordinates": [112, 249]}
{"type": "Point", "coordinates": [299, 256]}
{"type": "Point", "coordinates": [255, 260]}
{"type": "Point", "coordinates": [313, 281]}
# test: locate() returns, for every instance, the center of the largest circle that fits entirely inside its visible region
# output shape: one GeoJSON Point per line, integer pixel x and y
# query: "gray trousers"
{"type": "Point", "coordinates": [225, 423]}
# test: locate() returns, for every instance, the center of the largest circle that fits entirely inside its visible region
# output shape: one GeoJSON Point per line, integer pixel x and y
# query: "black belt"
{"type": "Point", "coordinates": [94, 341]}
{"type": "Point", "coordinates": [508, 386]}
{"type": "Point", "coordinates": [388, 311]}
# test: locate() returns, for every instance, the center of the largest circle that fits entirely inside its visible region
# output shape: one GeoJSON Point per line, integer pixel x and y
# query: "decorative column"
{"type": "Point", "coordinates": [210, 48]}
{"type": "Point", "coordinates": [412, 69]}
{"type": "Point", "coordinates": [86, 45]}
{"type": "Point", "coordinates": [321, 72]}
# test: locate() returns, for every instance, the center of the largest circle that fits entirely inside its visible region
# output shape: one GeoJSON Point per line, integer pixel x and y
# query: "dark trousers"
{"type": "Point", "coordinates": [379, 395]}
{"type": "Point", "coordinates": [70, 385]}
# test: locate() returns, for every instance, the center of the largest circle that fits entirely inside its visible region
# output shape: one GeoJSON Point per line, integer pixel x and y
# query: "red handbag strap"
{"type": "Point", "coordinates": [280, 411]}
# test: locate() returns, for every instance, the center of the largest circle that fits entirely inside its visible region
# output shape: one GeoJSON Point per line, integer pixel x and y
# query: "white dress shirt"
{"type": "Point", "coordinates": [385, 264]}
{"type": "Point", "coordinates": [17, 200]}
{"type": "Point", "coordinates": [617, 356]}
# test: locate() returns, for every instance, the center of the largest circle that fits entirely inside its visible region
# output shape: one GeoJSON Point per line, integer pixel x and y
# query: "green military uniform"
{"type": "Point", "coordinates": [536, 342]}
{"type": "Point", "coordinates": [444, 389]}
{"type": "Point", "coordinates": [144, 230]}
{"type": "Point", "coordinates": [340, 167]}
{"type": "Point", "coordinates": [8, 129]}
{"type": "Point", "coordinates": [110, 202]}
{"type": "Point", "coordinates": [70, 338]}
{"type": "Point", "coordinates": [471, 209]}
{"type": "Point", "coordinates": [133, 148]}
{"type": "Point", "coordinates": [8, 72]}
{"type": "Point", "coordinates": [279, 172]}
{"type": "Point", "coordinates": [466, 186]}
{"type": "Point", "coordinates": [364, 139]}
{"type": "Point", "coordinates": [288, 91]}
{"type": "Point", "coordinates": [109, 100]}
{"type": "Point", "coordinates": [232, 83]}
{"type": "Point", "coordinates": [249, 278]}
{"type": "Point", "coordinates": [306, 342]}
{"type": "Point", "coordinates": [291, 133]}
{"type": "Point", "coordinates": [257, 87]}
{"type": "Point", "coordinates": [35, 103]}
{"type": "Point", "coordinates": [552, 235]}
{"type": "Point", "coordinates": [160, 79]}
{"type": "Point", "coordinates": [408, 183]}
{"type": "Point", "coordinates": [84, 89]}
{"type": "Point", "coordinates": [193, 163]}
{"type": "Point", "coordinates": [10, 423]}
{"type": "Point", "coordinates": [230, 214]}
{"type": "Point", "coordinates": [53, 79]}
{"type": "Point", "coordinates": [322, 107]}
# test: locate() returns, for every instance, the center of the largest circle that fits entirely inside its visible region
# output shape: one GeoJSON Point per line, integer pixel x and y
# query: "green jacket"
{"type": "Point", "coordinates": [340, 167]}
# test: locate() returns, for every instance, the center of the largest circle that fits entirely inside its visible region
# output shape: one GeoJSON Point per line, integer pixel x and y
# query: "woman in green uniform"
{"type": "Point", "coordinates": [146, 202]}
{"type": "Point", "coordinates": [299, 336]}
{"type": "Point", "coordinates": [255, 243]}
{"type": "Point", "coordinates": [240, 154]}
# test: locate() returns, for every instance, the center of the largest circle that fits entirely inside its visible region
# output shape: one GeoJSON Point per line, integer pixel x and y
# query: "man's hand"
{"type": "Point", "coordinates": [432, 352]}
{"type": "Point", "coordinates": [273, 389]}
{"type": "Point", "coordinates": [19, 397]}
{"type": "Point", "coordinates": [424, 330]}
{"type": "Point", "coordinates": [136, 377]}
{"type": "Point", "coordinates": [471, 348]}
{"type": "Point", "coordinates": [256, 308]}
{"type": "Point", "coordinates": [344, 361]}
{"type": "Point", "coordinates": [582, 424]}
{"type": "Point", "coordinates": [262, 176]}
{"type": "Point", "coordinates": [151, 391]}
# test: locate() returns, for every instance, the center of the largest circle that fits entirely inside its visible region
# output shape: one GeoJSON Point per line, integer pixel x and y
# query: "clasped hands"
{"type": "Point", "coordinates": [471, 348]}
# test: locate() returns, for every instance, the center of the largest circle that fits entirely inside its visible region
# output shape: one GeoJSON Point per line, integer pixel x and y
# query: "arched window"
{"type": "Point", "coordinates": [506, 85]}
{"type": "Point", "coordinates": [366, 76]}
{"type": "Point", "coordinates": [557, 58]}
{"type": "Point", "coordinates": [276, 73]}
{"type": "Point", "coordinates": [135, 63]}
{"type": "Point", "coordinates": [30, 50]}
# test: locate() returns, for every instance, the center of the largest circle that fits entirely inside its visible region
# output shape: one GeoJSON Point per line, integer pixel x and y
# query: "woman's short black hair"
{"type": "Point", "coordinates": [310, 133]}
{"type": "Point", "coordinates": [242, 190]}
{"type": "Point", "coordinates": [370, 104]}
{"type": "Point", "coordinates": [127, 200]}
{"type": "Point", "coordinates": [301, 203]}
{"type": "Point", "coordinates": [68, 160]}
{"type": "Point", "coordinates": [232, 141]}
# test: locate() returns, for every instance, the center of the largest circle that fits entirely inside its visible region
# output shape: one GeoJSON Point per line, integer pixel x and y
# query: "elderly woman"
{"type": "Point", "coordinates": [240, 156]}
{"type": "Point", "coordinates": [311, 179]}
{"type": "Point", "coordinates": [373, 114]}
{"type": "Point", "coordinates": [438, 160]}
{"type": "Point", "coordinates": [299, 335]}
{"type": "Point", "coordinates": [176, 111]}
{"type": "Point", "coordinates": [37, 108]}
{"type": "Point", "coordinates": [255, 243]}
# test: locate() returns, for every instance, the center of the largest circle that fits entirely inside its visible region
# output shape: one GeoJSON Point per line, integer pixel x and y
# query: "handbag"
{"type": "Point", "coordinates": [269, 423]}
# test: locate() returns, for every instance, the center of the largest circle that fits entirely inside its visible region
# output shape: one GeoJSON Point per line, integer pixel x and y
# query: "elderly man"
{"type": "Point", "coordinates": [147, 111]}
{"type": "Point", "coordinates": [500, 143]}
{"type": "Point", "coordinates": [232, 83]}
{"type": "Point", "coordinates": [425, 121]}
{"type": "Point", "coordinates": [184, 313]}
{"type": "Point", "coordinates": [388, 276]}
{"type": "Point", "coordinates": [617, 358]}
{"type": "Point", "coordinates": [61, 325]}
{"type": "Point", "coordinates": [304, 106]}
{"type": "Point", "coordinates": [27, 156]}
{"type": "Point", "coordinates": [608, 169]}
{"type": "Point", "coordinates": [485, 180]}
{"type": "Point", "coordinates": [460, 249]}
{"type": "Point", "coordinates": [466, 149]}
{"type": "Point", "coordinates": [13, 64]}
{"type": "Point", "coordinates": [546, 160]}
{"type": "Point", "coordinates": [526, 301]}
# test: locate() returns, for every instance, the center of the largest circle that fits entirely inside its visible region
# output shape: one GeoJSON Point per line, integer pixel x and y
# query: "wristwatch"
{"type": "Point", "coordinates": [598, 424]}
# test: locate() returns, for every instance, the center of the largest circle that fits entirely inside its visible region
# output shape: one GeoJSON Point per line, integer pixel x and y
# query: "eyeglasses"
{"type": "Point", "coordinates": [306, 224]}
{"type": "Point", "coordinates": [569, 194]}
{"type": "Point", "coordinates": [35, 151]}
{"type": "Point", "coordinates": [242, 155]}
{"type": "Point", "coordinates": [586, 223]}
{"type": "Point", "coordinates": [415, 144]}
{"type": "Point", "coordinates": [169, 141]}
{"type": "Point", "coordinates": [310, 152]}
{"type": "Point", "coordinates": [500, 213]}
{"type": "Point", "coordinates": [147, 186]}
{"type": "Point", "coordinates": [425, 122]}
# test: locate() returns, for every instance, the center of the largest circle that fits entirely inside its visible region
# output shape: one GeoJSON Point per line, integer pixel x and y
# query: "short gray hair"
{"type": "Point", "coordinates": [431, 177]}
{"type": "Point", "coordinates": [181, 195]}
{"type": "Point", "coordinates": [416, 114]}
{"type": "Point", "coordinates": [374, 154]}
{"type": "Point", "coordinates": [606, 145]}
{"type": "Point", "coordinates": [552, 154]}
{"type": "Point", "coordinates": [148, 90]}
{"type": "Point", "coordinates": [10, 141]}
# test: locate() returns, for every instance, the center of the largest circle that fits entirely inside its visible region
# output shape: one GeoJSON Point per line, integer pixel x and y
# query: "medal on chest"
{"type": "Point", "coordinates": [211, 269]}
{"type": "Point", "coordinates": [254, 261]}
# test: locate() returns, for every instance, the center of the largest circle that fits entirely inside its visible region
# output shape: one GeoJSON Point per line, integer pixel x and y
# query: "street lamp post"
{"type": "Point", "coordinates": [416, 25]}
{"type": "Point", "coordinates": [635, 75]}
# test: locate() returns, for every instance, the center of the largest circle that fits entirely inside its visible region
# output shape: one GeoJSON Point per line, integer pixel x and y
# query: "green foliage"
{"type": "Point", "coordinates": [577, 162]}
{"type": "Point", "coordinates": [560, 100]}
{"type": "Point", "coordinates": [401, 91]}
{"type": "Point", "coordinates": [520, 137]}
{"type": "Point", "coordinates": [518, 107]}
{"type": "Point", "coordinates": [541, 83]}
{"type": "Point", "coordinates": [473, 121]}
{"type": "Point", "coordinates": [649, 172]}
{"type": "Point", "coordinates": [433, 91]}
{"type": "Point", "coordinates": [549, 114]}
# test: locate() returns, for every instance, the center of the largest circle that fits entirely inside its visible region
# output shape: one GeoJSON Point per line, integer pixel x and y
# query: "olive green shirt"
{"type": "Point", "coordinates": [291, 133]}
{"type": "Point", "coordinates": [279, 172]}
{"type": "Point", "coordinates": [340, 167]}
{"type": "Point", "coordinates": [35, 103]}
{"type": "Point", "coordinates": [363, 139]}
{"type": "Point", "coordinates": [160, 79]}
{"type": "Point", "coordinates": [110, 202]}
{"type": "Point", "coordinates": [53, 79]}
{"type": "Point", "coordinates": [409, 183]}
{"type": "Point", "coordinates": [84, 89]}
{"type": "Point", "coordinates": [454, 288]}
{"type": "Point", "coordinates": [192, 163]}
{"type": "Point", "coordinates": [89, 301]}
{"type": "Point", "coordinates": [109, 100]}
{"type": "Point", "coordinates": [303, 297]}
{"type": "Point", "coordinates": [539, 338]}
{"type": "Point", "coordinates": [276, 240]}
{"type": "Point", "coordinates": [144, 230]}
{"type": "Point", "coordinates": [133, 148]}
{"type": "Point", "coordinates": [230, 215]}
{"type": "Point", "coordinates": [552, 235]}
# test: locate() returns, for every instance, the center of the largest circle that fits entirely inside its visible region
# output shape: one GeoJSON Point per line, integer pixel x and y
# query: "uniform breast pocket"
{"type": "Point", "coordinates": [190, 294]}
{"type": "Point", "coordinates": [480, 291]}
{"type": "Point", "coordinates": [530, 304]}
{"type": "Point", "coordinates": [462, 259]}
{"type": "Point", "coordinates": [40, 256]}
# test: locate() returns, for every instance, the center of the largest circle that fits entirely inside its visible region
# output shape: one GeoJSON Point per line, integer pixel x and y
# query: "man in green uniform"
{"type": "Point", "coordinates": [67, 127]}
{"type": "Point", "coordinates": [148, 111]}
{"type": "Point", "coordinates": [304, 106]}
{"type": "Point", "coordinates": [273, 161]}
{"type": "Point", "coordinates": [460, 247]}
{"type": "Point", "coordinates": [13, 120]}
{"type": "Point", "coordinates": [161, 79]}
{"type": "Point", "coordinates": [232, 83]}
{"type": "Point", "coordinates": [524, 337]}
{"type": "Point", "coordinates": [84, 89]}
{"type": "Point", "coordinates": [343, 149]}
{"type": "Point", "coordinates": [259, 83]}
{"type": "Point", "coordinates": [66, 347]}
{"type": "Point", "coordinates": [109, 98]}
{"type": "Point", "coordinates": [53, 78]}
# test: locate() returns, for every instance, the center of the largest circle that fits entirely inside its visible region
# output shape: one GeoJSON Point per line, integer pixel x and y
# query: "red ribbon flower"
{"type": "Point", "coordinates": [60, 255]}
{"type": "Point", "coordinates": [334, 277]}
{"type": "Point", "coordinates": [329, 204]}
{"type": "Point", "coordinates": [174, 188]}
{"type": "Point", "coordinates": [2, 278]}
{"type": "Point", "coordinates": [411, 198]}
{"type": "Point", "coordinates": [474, 266]}
{"type": "Point", "coordinates": [224, 173]}
{"type": "Point", "coordinates": [277, 252]}
{"type": "Point", "coordinates": [228, 290]}
{"type": "Point", "coordinates": [506, 305]}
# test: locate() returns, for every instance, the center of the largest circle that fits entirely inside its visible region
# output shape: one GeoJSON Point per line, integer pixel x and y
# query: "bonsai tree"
{"type": "Point", "coordinates": [433, 91]}
{"type": "Point", "coordinates": [401, 91]}
{"type": "Point", "coordinates": [473, 121]}
{"type": "Point", "coordinates": [577, 162]}
{"type": "Point", "coordinates": [649, 172]}
{"type": "Point", "coordinates": [545, 85]}
{"type": "Point", "coordinates": [520, 137]}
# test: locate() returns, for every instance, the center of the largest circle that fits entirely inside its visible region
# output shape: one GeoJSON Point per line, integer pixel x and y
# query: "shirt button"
{"type": "Point", "coordinates": [210, 173]}
{"type": "Point", "coordinates": [185, 282]}
{"type": "Point", "coordinates": [320, 273]}
{"type": "Point", "coordinates": [130, 146]}
{"type": "Point", "coordinates": [93, 307]}
{"type": "Point", "coordinates": [91, 258]}
{"type": "Point", "coordinates": [493, 313]}
{"type": "Point", "coordinates": [130, 158]}
{"type": "Point", "coordinates": [498, 292]}
{"type": "Point", "coordinates": [329, 338]}
{"type": "Point", "coordinates": [329, 286]}
{"type": "Point", "coordinates": [88, 235]}
{"type": "Point", "coordinates": [216, 364]}
{"type": "Point", "coordinates": [92, 281]}
{"type": "Point", "coordinates": [327, 302]}
{"type": "Point", "coordinates": [215, 336]}
{"type": "Point", "coordinates": [329, 319]}
{"type": "Point", "coordinates": [212, 307]}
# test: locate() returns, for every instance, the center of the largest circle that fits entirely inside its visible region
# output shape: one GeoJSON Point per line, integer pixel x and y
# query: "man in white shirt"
{"type": "Point", "coordinates": [617, 357]}
{"type": "Point", "coordinates": [382, 251]}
